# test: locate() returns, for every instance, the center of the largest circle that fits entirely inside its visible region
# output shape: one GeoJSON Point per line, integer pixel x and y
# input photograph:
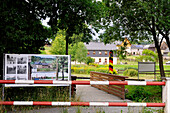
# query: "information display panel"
{"type": "Point", "coordinates": [36, 67]}
{"type": "Point", "coordinates": [146, 66]}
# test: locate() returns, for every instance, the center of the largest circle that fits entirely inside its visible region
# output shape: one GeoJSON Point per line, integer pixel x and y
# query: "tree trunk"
{"type": "Point", "coordinates": [161, 67]}
{"type": "Point", "coordinates": [62, 72]}
{"type": "Point", "coordinates": [67, 44]}
{"type": "Point", "coordinates": [56, 68]}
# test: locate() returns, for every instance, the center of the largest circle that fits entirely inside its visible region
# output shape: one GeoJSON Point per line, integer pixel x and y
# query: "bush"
{"type": "Point", "coordinates": [130, 72]}
{"type": "Point", "coordinates": [130, 68]}
{"type": "Point", "coordinates": [144, 93]}
{"type": "Point", "coordinates": [88, 69]}
{"type": "Point", "coordinates": [89, 60]}
{"type": "Point", "coordinates": [93, 64]}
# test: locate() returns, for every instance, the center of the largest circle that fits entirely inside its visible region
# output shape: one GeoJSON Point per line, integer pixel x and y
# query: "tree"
{"type": "Point", "coordinates": [148, 55]}
{"type": "Point", "coordinates": [72, 15]}
{"type": "Point", "coordinates": [121, 52]}
{"type": "Point", "coordinates": [143, 20]}
{"type": "Point", "coordinates": [21, 29]}
{"type": "Point", "coordinates": [81, 52]}
{"type": "Point", "coordinates": [58, 45]}
{"type": "Point", "coordinates": [72, 52]}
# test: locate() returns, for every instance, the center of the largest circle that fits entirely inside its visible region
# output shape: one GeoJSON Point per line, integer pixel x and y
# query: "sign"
{"type": "Point", "coordinates": [36, 67]}
{"type": "Point", "coordinates": [146, 66]}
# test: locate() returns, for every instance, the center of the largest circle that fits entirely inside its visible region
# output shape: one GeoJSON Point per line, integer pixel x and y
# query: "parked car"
{"type": "Point", "coordinates": [168, 63]}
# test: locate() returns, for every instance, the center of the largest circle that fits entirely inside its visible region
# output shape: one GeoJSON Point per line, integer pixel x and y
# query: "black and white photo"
{"type": "Point", "coordinates": [21, 77]}
{"type": "Point", "coordinates": [11, 77]}
{"type": "Point", "coordinates": [21, 60]}
{"type": "Point", "coordinates": [11, 59]}
{"type": "Point", "coordinates": [21, 69]}
{"type": "Point", "coordinates": [11, 69]}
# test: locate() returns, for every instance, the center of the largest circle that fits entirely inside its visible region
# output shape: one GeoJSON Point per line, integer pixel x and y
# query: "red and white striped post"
{"type": "Point", "coordinates": [166, 95]}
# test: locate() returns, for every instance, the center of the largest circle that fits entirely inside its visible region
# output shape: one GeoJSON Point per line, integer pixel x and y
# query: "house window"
{"type": "Point", "coordinates": [105, 52]}
{"type": "Point", "coordinates": [99, 59]}
{"type": "Point", "coordinates": [94, 52]}
{"type": "Point", "coordinates": [88, 53]}
{"type": "Point", "coordinates": [100, 53]}
{"type": "Point", "coordinates": [106, 60]}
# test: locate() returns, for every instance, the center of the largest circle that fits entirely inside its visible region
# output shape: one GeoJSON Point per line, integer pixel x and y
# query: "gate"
{"type": "Point", "coordinates": [165, 93]}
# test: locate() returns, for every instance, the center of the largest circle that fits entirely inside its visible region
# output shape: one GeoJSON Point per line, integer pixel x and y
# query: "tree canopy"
{"type": "Point", "coordinates": [21, 29]}
{"type": "Point", "coordinates": [59, 44]}
{"type": "Point", "coordinates": [138, 19]}
{"type": "Point", "coordinates": [72, 15]}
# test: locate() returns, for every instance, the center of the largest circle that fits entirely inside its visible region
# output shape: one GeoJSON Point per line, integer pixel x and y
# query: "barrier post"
{"type": "Point", "coordinates": [166, 96]}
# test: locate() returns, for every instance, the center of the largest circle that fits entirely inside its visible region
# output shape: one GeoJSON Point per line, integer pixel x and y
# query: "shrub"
{"type": "Point", "coordinates": [130, 72]}
{"type": "Point", "coordinates": [144, 93]}
{"type": "Point", "coordinates": [93, 64]}
{"type": "Point", "coordinates": [87, 70]}
{"type": "Point", "coordinates": [130, 68]}
{"type": "Point", "coordinates": [89, 60]}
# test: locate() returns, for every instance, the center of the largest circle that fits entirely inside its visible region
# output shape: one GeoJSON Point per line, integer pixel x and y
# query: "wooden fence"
{"type": "Point", "coordinates": [117, 90]}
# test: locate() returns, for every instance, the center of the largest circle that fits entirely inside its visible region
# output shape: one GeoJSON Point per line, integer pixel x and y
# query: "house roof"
{"type": "Point", "coordinates": [100, 46]}
{"type": "Point", "coordinates": [136, 46]}
{"type": "Point", "coordinates": [149, 46]}
{"type": "Point", "coordinates": [128, 44]}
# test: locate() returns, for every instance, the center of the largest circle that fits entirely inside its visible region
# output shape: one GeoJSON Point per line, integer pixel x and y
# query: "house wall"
{"type": "Point", "coordinates": [103, 60]}
{"type": "Point", "coordinates": [134, 51]}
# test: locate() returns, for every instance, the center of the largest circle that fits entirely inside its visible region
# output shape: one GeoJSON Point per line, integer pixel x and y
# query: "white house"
{"type": "Point", "coordinates": [100, 52]}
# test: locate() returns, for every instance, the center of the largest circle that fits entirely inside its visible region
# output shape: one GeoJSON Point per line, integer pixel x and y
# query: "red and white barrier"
{"type": "Point", "coordinates": [104, 104]}
{"type": "Point", "coordinates": [80, 82]}
{"type": "Point", "coordinates": [165, 93]}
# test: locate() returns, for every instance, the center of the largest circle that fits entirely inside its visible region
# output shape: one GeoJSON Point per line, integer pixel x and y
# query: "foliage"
{"type": "Point", "coordinates": [169, 54]}
{"type": "Point", "coordinates": [73, 16]}
{"type": "Point", "coordinates": [148, 55]}
{"type": "Point", "coordinates": [130, 72]}
{"type": "Point", "coordinates": [130, 67]}
{"type": "Point", "coordinates": [88, 69]}
{"type": "Point", "coordinates": [59, 44]}
{"type": "Point", "coordinates": [72, 51]}
{"type": "Point", "coordinates": [35, 94]}
{"type": "Point", "coordinates": [94, 64]}
{"type": "Point", "coordinates": [144, 93]}
{"type": "Point", "coordinates": [21, 29]}
{"type": "Point", "coordinates": [121, 53]}
{"type": "Point", "coordinates": [89, 60]}
{"type": "Point", "coordinates": [141, 20]}
{"type": "Point", "coordinates": [81, 52]}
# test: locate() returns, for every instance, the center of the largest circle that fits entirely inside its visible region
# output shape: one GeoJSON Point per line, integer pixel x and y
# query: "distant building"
{"type": "Point", "coordinates": [41, 65]}
{"type": "Point", "coordinates": [100, 52]}
{"type": "Point", "coordinates": [150, 47]}
{"type": "Point", "coordinates": [135, 49]}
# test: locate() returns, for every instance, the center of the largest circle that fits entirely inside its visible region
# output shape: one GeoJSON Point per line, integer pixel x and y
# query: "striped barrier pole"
{"type": "Point", "coordinates": [80, 82]}
{"type": "Point", "coordinates": [111, 62]}
{"type": "Point", "coordinates": [104, 104]}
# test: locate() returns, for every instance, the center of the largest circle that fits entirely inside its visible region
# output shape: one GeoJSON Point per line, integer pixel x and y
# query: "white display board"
{"type": "Point", "coordinates": [36, 67]}
{"type": "Point", "coordinates": [146, 66]}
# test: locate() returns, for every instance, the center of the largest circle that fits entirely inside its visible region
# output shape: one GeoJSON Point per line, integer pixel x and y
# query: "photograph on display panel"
{"type": "Point", "coordinates": [49, 67]}
{"type": "Point", "coordinates": [37, 67]}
